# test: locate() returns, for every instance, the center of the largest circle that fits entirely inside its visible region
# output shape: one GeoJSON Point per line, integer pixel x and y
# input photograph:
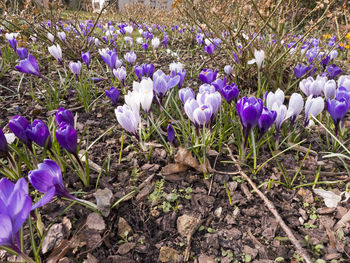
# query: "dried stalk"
{"type": "Point", "coordinates": [273, 210]}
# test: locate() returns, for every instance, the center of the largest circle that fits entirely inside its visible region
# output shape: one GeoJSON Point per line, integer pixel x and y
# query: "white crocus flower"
{"type": "Point", "coordinates": [317, 86]}
{"type": "Point", "coordinates": [140, 31]}
{"type": "Point", "coordinates": [272, 98]}
{"type": "Point", "coordinates": [329, 89]}
{"type": "Point", "coordinates": [296, 104]}
{"type": "Point", "coordinates": [133, 100]}
{"type": "Point", "coordinates": [139, 40]}
{"type": "Point", "coordinates": [259, 56]}
{"type": "Point", "coordinates": [128, 29]}
{"type": "Point", "coordinates": [62, 36]}
{"type": "Point", "coordinates": [50, 37]}
{"type": "Point", "coordinates": [10, 36]}
{"type": "Point", "coordinates": [281, 111]}
{"type": "Point", "coordinates": [333, 54]}
{"type": "Point", "coordinates": [344, 81]}
{"type": "Point", "coordinates": [56, 52]}
{"type": "Point", "coordinates": [313, 106]}
{"type": "Point", "coordinates": [176, 67]}
{"type": "Point", "coordinates": [145, 91]}
{"type": "Point", "coordinates": [155, 42]}
{"type": "Point", "coordinates": [305, 85]}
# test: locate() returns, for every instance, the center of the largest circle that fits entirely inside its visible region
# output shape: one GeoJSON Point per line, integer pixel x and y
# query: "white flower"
{"type": "Point", "coordinates": [128, 118]}
{"type": "Point", "coordinates": [96, 41]}
{"type": "Point", "coordinates": [329, 89]}
{"type": "Point", "coordinates": [128, 29]}
{"type": "Point", "coordinates": [281, 111]}
{"type": "Point", "coordinates": [56, 52]}
{"type": "Point", "coordinates": [344, 81]}
{"type": "Point", "coordinates": [140, 31]}
{"type": "Point", "coordinates": [333, 54]}
{"type": "Point", "coordinates": [176, 67]}
{"type": "Point", "coordinates": [62, 36]}
{"type": "Point", "coordinates": [259, 56]}
{"type": "Point", "coordinates": [155, 42]}
{"type": "Point", "coordinates": [129, 40]}
{"type": "Point", "coordinates": [139, 40]}
{"type": "Point", "coordinates": [313, 106]}
{"type": "Point", "coordinates": [10, 36]}
{"type": "Point", "coordinates": [296, 104]}
{"type": "Point", "coordinates": [50, 37]}
{"type": "Point", "coordinates": [316, 87]}
{"type": "Point", "coordinates": [133, 100]}
{"type": "Point", "coordinates": [145, 91]}
{"type": "Point", "coordinates": [305, 85]}
{"type": "Point", "coordinates": [272, 98]}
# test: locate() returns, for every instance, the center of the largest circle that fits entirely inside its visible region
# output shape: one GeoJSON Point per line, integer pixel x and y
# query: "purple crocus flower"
{"type": "Point", "coordinates": [162, 83]}
{"type": "Point", "coordinates": [15, 206]}
{"type": "Point", "coordinates": [145, 46]}
{"type": "Point", "coordinates": [230, 92]}
{"type": "Point", "coordinates": [209, 49]}
{"type": "Point", "coordinates": [67, 137]}
{"type": "Point", "coordinates": [266, 120]}
{"type": "Point", "coordinates": [39, 133]}
{"type": "Point", "coordinates": [333, 71]}
{"type": "Point", "coordinates": [86, 58]}
{"type": "Point", "coordinates": [18, 125]}
{"type": "Point", "coordinates": [342, 92]}
{"type": "Point", "coordinates": [219, 84]}
{"type": "Point", "coordinates": [324, 62]}
{"type": "Point", "coordinates": [29, 66]}
{"type": "Point", "coordinates": [171, 133]}
{"type": "Point", "coordinates": [109, 57]}
{"type": "Point", "coordinates": [202, 115]}
{"type": "Point", "coordinates": [113, 94]}
{"type": "Point", "coordinates": [300, 70]}
{"type": "Point", "coordinates": [165, 40]}
{"type": "Point", "coordinates": [120, 74]}
{"type": "Point", "coordinates": [63, 115]}
{"type": "Point", "coordinates": [13, 43]}
{"type": "Point", "coordinates": [249, 111]}
{"type": "Point", "coordinates": [337, 109]}
{"type": "Point", "coordinates": [128, 119]}
{"type": "Point", "coordinates": [22, 53]}
{"type": "Point", "coordinates": [75, 67]}
{"type": "Point", "coordinates": [139, 72]}
{"type": "Point", "coordinates": [185, 94]}
{"type": "Point", "coordinates": [148, 69]}
{"type": "Point", "coordinates": [48, 179]}
{"type": "Point", "coordinates": [228, 70]}
{"type": "Point", "coordinates": [208, 75]}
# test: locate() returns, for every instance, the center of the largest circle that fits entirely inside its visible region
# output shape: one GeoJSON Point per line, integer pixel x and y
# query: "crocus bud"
{"type": "Point", "coordinates": [296, 104]}
{"type": "Point", "coordinates": [333, 71]}
{"type": "Point", "coordinates": [56, 52]}
{"type": "Point", "coordinates": [128, 118]}
{"type": "Point", "coordinates": [120, 74]}
{"type": "Point", "coordinates": [62, 36]}
{"type": "Point", "coordinates": [228, 70]}
{"type": "Point", "coordinates": [266, 120]}
{"type": "Point", "coordinates": [75, 67]}
{"type": "Point", "coordinates": [249, 111]}
{"type": "Point", "coordinates": [86, 58]}
{"type": "Point", "coordinates": [313, 106]}
{"type": "Point", "coordinates": [29, 66]}
{"type": "Point", "coordinates": [155, 42]}
{"type": "Point", "coordinates": [300, 70]}
{"type": "Point", "coordinates": [22, 53]}
{"type": "Point", "coordinates": [63, 115]}
{"type": "Point", "coordinates": [3, 144]}
{"type": "Point", "coordinates": [139, 71]}
{"type": "Point", "coordinates": [185, 94]}
{"type": "Point", "coordinates": [209, 49]}
{"type": "Point", "coordinates": [13, 43]}
{"type": "Point", "coordinates": [39, 133]}
{"type": "Point", "coordinates": [230, 92]}
{"type": "Point", "coordinates": [337, 109]}
{"type": "Point", "coordinates": [130, 57]}
{"type": "Point", "coordinates": [113, 94]}
{"type": "Point", "coordinates": [18, 125]}
{"type": "Point", "coordinates": [219, 84]}
{"type": "Point", "coordinates": [67, 137]}
{"type": "Point", "coordinates": [170, 133]}
{"type": "Point", "coordinates": [329, 89]}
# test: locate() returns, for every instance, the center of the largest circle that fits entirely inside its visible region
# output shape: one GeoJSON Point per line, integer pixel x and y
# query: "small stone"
{"type": "Point", "coordinates": [124, 228]}
{"type": "Point", "coordinates": [103, 200]}
{"type": "Point", "coordinates": [168, 254]}
{"type": "Point", "coordinates": [53, 238]}
{"type": "Point", "coordinates": [187, 225]}
{"type": "Point", "coordinates": [90, 259]}
{"type": "Point", "coordinates": [95, 222]}
{"type": "Point", "coordinates": [341, 211]}
{"type": "Point", "coordinates": [325, 210]}
{"type": "Point", "coordinates": [205, 259]}
{"type": "Point", "coordinates": [125, 248]}
{"type": "Point", "coordinates": [218, 212]}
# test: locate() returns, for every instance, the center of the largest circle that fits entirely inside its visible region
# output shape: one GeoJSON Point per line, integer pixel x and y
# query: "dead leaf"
{"type": "Point", "coordinates": [330, 198]}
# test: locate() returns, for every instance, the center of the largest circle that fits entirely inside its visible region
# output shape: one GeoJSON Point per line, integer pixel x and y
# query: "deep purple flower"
{"type": "Point", "coordinates": [15, 206]}
{"type": "Point", "coordinates": [266, 120]}
{"type": "Point", "coordinates": [18, 125]}
{"type": "Point", "coordinates": [86, 58]}
{"type": "Point", "coordinates": [219, 84]}
{"type": "Point", "coordinates": [170, 133]}
{"type": "Point", "coordinates": [207, 75]}
{"type": "Point", "coordinates": [165, 40]}
{"type": "Point", "coordinates": [109, 57]}
{"type": "Point", "coordinates": [63, 115]}
{"type": "Point", "coordinates": [67, 137]}
{"type": "Point", "coordinates": [249, 111]}
{"type": "Point", "coordinates": [324, 62]}
{"type": "Point", "coordinates": [29, 66]}
{"type": "Point", "coordinates": [139, 72]}
{"type": "Point", "coordinates": [13, 43]}
{"type": "Point", "coordinates": [333, 71]}
{"type": "Point", "coordinates": [113, 94]}
{"type": "Point", "coordinates": [148, 69]}
{"type": "Point", "coordinates": [235, 56]}
{"type": "Point", "coordinates": [230, 92]}
{"type": "Point", "coordinates": [300, 70]}
{"type": "Point", "coordinates": [145, 46]}
{"type": "Point", "coordinates": [3, 144]}
{"type": "Point", "coordinates": [209, 49]}
{"type": "Point", "coordinates": [185, 94]}
{"type": "Point", "coordinates": [39, 133]}
{"type": "Point", "coordinates": [337, 109]}
{"type": "Point", "coordinates": [48, 179]}
{"type": "Point", "coordinates": [22, 53]}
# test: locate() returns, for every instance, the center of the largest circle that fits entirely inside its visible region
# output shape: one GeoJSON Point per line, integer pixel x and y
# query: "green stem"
{"type": "Point", "coordinates": [253, 147]}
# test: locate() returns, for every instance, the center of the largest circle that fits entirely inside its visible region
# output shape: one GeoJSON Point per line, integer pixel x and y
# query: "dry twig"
{"type": "Point", "coordinates": [273, 210]}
